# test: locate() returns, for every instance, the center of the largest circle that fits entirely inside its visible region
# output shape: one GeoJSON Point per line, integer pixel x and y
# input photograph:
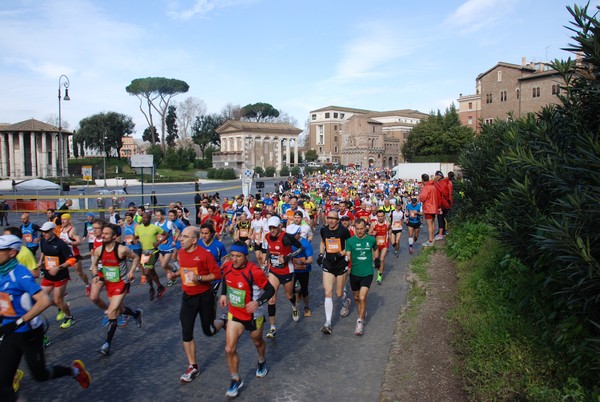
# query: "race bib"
{"type": "Point", "coordinates": [27, 238]}
{"type": "Point", "coordinates": [381, 240]}
{"type": "Point", "coordinates": [6, 306]}
{"type": "Point", "coordinates": [51, 262]}
{"type": "Point", "coordinates": [333, 245]}
{"type": "Point", "coordinates": [188, 274]}
{"type": "Point", "coordinates": [91, 238]}
{"type": "Point", "coordinates": [397, 225]}
{"type": "Point", "coordinates": [129, 239]}
{"type": "Point", "coordinates": [237, 297]}
{"type": "Point", "coordinates": [275, 261]}
{"type": "Point", "coordinates": [243, 232]}
{"type": "Point", "coordinates": [111, 274]}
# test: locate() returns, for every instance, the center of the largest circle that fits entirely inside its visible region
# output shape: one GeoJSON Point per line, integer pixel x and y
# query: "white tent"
{"type": "Point", "coordinates": [37, 185]}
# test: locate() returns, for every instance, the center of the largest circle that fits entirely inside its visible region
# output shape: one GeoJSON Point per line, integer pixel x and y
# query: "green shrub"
{"type": "Point", "coordinates": [285, 171]}
{"type": "Point", "coordinates": [210, 173]}
{"type": "Point", "coordinates": [228, 174]}
{"type": "Point", "coordinates": [270, 171]}
{"type": "Point", "coordinates": [465, 240]}
{"type": "Point", "coordinates": [295, 171]}
{"type": "Point", "coordinates": [259, 170]}
{"type": "Point", "coordinates": [202, 164]}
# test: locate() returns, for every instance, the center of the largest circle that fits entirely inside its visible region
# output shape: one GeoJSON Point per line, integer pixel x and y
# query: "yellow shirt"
{"type": "Point", "coordinates": [26, 258]}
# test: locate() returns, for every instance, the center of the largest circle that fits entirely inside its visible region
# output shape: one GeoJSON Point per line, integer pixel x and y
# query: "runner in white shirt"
{"type": "Point", "coordinates": [257, 235]}
{"type": "Point", "coordinates": [396, 217]}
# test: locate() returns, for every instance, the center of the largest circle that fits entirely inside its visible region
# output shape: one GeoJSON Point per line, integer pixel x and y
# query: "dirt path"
{"type": "Point", "coordinates": [422, 363]}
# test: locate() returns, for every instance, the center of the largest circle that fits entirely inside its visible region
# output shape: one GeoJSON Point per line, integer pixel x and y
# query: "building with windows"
{"type": "Point", "coordinates": [30, 149]}
{"type": "Point", "coordinates": [510, 89]}
{"type": "Point", "coordinates": [351, 136]}
{"type": "Point", "coordinates": [246, 144]}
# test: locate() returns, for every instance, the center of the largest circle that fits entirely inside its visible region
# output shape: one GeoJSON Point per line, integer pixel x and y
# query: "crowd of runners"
{"type": "Point", "coordinates": [360, 216]}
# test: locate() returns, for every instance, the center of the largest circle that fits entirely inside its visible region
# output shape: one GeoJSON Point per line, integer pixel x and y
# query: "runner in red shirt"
{"type": "Point", "coordinates": [242, 281]}
{"type": "Point", "coordinates": [381, 231]}
{"type": "Point", "coordinates": [97, 285]}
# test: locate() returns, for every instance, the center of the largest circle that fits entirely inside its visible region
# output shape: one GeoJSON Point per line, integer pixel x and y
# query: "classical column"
{"type": "Point", "coordinates": [253, 150]}
{"type": "Point", "coordinates": [3, 156]}
{"type": "Point", "coordinates": [11, 147]}
{"type": "Point", "coordinates": [21, 160]}
{"type": "Point", "coordinates": [296, 160]}
{"type": "Point", "coordinates": [44, 159]}
{"type": "Point", "coordinates": [34, 159]}
{"type": "Point", "coordinates": [287, 151]}
{"type": "Point", "coordinates": [54, 153]}
{"type": "Point", "coordinates": [278, 151]}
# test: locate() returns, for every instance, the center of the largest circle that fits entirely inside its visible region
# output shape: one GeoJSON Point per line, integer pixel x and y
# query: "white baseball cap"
{"type": "Point", "coordinates": [274, 221]}
{"type": "Point", "coordinates": [293, 229]}
{"type": "Point", "coordinates": [47, 226]}
{"type": "Point", "coordinates": [8, 242]}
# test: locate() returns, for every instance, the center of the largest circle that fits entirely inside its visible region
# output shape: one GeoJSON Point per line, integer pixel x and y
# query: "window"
{"type": "Point", "coordinates": [488, 98]}
{"type": "Point", "coordinates": [536, 92]}
{"type": "Point", "coordinates": [335, 138]}
{"type": "Point", "coordinates": [326, 115]}
{"type": "Point", "coordinates": [321, 129]}
{"type": "Point", "coordinates": [503, 97]}
{"type": "Point", "coordinates": [470, 120]}
{"type": "Point", "coordinates": [470, 105]}
{"type": "Point", "coordinates": [335, 127]}
{"type": "Point", "coordinates": [321, 139]}
{"type": "Point", "coordinates": [335, 115]}
{"type": "Point", "coordinates": [335, 149]}
{"type": "Point", "coordinates": [342, 115]}
{"type": "Point", "coordinates": [488, 121]}
{"type": "Point", "coordinates": [499, 76]}
{"type": "Point", "coordinates": [314, 116]}
{"type": "Point", "coordinates": [518, 93]}
{"type": "Point", "coordinates": [555, 89]}
{"type": "Point", "coordinates": [320, 150]}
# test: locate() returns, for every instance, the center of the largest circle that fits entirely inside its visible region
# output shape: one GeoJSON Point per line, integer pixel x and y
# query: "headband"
{"type": "Point", "coordinates": [239, 249]}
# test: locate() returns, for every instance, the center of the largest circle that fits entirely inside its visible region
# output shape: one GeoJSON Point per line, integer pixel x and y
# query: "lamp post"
{"type": "Point", "coordinates": [64, 84]}
{"type": "Point", "coordinates": [104, 156]}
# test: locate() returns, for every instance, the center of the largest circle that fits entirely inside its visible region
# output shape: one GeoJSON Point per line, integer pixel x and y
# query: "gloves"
{"type": "Point", "coordinates": [8, 329]}
{"type": "Point", "coordinates": [320, 259]}
{"type": "Point", "coordinates": [377, 262]}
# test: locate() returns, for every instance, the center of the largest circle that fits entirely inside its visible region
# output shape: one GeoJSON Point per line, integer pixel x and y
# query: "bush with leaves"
{"type": "Point", "coordinates": [270, 171]}
{"type": "Point", "coordinates": [178, 158]}
{"type": "Point", "coordinates": [285, 171]}
{"type": "Point", "coordinates": [259, 170]}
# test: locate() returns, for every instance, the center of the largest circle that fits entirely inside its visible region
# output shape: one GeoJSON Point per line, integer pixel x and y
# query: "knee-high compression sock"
{"type": "Point", "coordinates": [112, 328]}
{"type": "Point", "coordinates": [328, 309]}
{"type": "Point", "coordinates": [128, 311]}
{"type": "Point", "coordinates": [293, 299]}
{"type": "Point", "coordinates": [271, 309]}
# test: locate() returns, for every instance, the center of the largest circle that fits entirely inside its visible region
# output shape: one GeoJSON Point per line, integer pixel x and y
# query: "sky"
{"type": "Point", "coordinates": [296, 55]}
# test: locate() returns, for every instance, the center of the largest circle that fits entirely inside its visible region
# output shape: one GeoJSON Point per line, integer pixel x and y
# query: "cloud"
{"type": "Point", "coordinates": [474, 15]}
{"type": "Point", "coordinates": [202, 7]}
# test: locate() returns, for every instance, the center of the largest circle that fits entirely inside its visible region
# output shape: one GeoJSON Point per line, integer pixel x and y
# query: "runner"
{"type": "Point", "coordinates": [69, 235]}
{"type": "Point", "coordinates": [166, 243]}
{"type": "Point", "coordinates": [242, 229]}
{"type": "Point", "coordinates": [430, 198]}
{"type": "Point", "coordinates": [257, 235]}
{"type": "Point", "coordinates": [396, 218]}
{"type": "Point", "coordinates": [281, 269]}
{"type": "Point", "coordinates": [414, 211]}
{"type": "Point", "coordinates": [21, 330]}
{"type": "Point", "coordinates": [363, 252]}
{"type": "Point", "coordinates": [97, 286]}
{"type": "Point", "coordinates": [198, 270]}
{"type": "Point", "coordinates": [147, 234]}
{"type": "Point", "coordinates": [241, 283]}
{"type": "Point", "coordinates": [88, 231]}
{"type": "Point", "coordinates": [30, 233]}
{"type": "Point", "coordinates": [55, 258]}
{"type": "Point", "coordinates": [333, 259]}
{"type": "Point", "coordinates": [381, 231]}
{"type": "Point", "coordinates": [302, 267]}
{"type": "Point", "coordinates": [116, 278]}
{"type": "Point", "coordinates": [129, 238]}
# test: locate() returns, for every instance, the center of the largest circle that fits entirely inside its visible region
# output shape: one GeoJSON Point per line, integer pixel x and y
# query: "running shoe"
{"type": "Point", "coordinates": [345, 310]}
{"type": "Point", "coordinates": [307, 311]}
{"type": "Point", "coordinates": [60, 316]}
{"type": "Point", "coordinates": [19, 376]}
{"type": "Point", "coordinates": [104, 321]}
{"type": "Point", "coordinates": [137, 269]}
{"type": "Point", "coordinates": [122, 320]}
{"type": "Point", "coordinates": [161, 291]}
{"type": "Point", "coordinates": [105, 349]}
{"type": "Point", "coordinates": [45, 341]}
{"type": "Point", "coordinates": [438, 237]}
{"type": "Point", "coordinates": [234, 388]}
{"type": "Point", "coordinates": [152, 294]}
{"type": "Point", "coordinates": [190, 374]}
{"type": "Point", "coordinates": [139, 318]}
{"type": "Point", "coordinates": [88, 290]}
{"type": "Point", "coordinates": [83, 377]}
{"type": "Point", "coordinates": [144, 280]}
{"type": "Point", "coordinates": [67, 323]}
{"type": "Point", "coordinates": [410, 249]}
{"type": "Point", "coordinates": [360, 327]}
{"type": "Point", "coordinates": [427, 244]}
{"type": "Point", "coordinates": [272, 333]}
{"type": "Point", "coordinates": [170, 283]}
{"type": "Point", "coordinates": [261, 369]}
{"type": "Point", "coordinates": [379, 278]}
{"type": "Point", "coordinates": [326, 328]}
{"type": "Point", "coordinates": [295, 314]}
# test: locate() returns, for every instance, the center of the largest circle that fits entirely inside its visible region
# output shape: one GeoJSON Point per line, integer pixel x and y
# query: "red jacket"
{"type": "Point", "coordinates": [430, 198]}
{"type": "Point", "coordinates": [444, 188]}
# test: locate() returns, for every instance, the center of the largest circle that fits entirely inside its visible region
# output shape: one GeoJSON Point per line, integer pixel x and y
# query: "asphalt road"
{"type": "Point", "coordinates": [304, 364]}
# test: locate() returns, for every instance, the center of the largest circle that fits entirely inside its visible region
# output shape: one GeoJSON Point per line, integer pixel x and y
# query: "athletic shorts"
{"type": "Point", "coordinates": [383, 246]}
{"type": "Point", "coordinates": [165, 252]}
{"type": "Point", "coordinates": [337, 270]}
{"type": "Point", "coordinates": [258, 246]}
{"type": "Point", "coordinates": [283, 279]}
{"type": "Point", "coordinates": [149, 264]}
{"type": "Point", "coordinates": [77, 257]}
{"type": "Point", "coordinates": [55, 284]}
{"type": "Point", "coordinates": [116, 288]}
{"type": "Point", "coordinates": [414, 225]}
{"type": "Point", "coordinates": [395, 232]}
{"type": "Point", "coordinates": [91, 246]}
{"type": "Point", "coordinates": [357, 282]}
{"type": "Point", "coordinates": [137, 251]}
{"type": "Point", "coordinates": [430, 216]}
{"type": "Point", "coordinates": [251, 325]}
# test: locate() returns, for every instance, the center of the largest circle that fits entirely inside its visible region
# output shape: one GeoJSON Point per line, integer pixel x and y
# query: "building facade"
{"type": "Point", "coordinates": [510, 89]}
{"type": "Point", "coordinates": [348, 136]}
{"type": "Point", "coordinates": [245, 145]}
{"type": "Point", "coordinates": [31, 149]}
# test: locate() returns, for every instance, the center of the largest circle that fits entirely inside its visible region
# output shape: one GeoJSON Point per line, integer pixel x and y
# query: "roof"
{"type": "Point", "coordinates": [31, 125]}
{"type": "Point", "coordinates": [240, 125]}
{"type": "Point", "coordinates": [540, 74]}
{"type": "Point", "coordinates": [401, 112]}
{"type": "Point", "coordinates": [342, 109]}
{"type": "Point", "coordinates": [509, 65]}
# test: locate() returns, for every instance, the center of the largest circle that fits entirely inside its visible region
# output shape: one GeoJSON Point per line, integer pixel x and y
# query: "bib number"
{"type": "Point", "coordinates": [333, 245]}
{"type": "Point", "coordinates": [237, 297]}
{"type": "Point", "coordinates": [188, 274]}
{"type": "Point", "coordinates": [50, 262]}
{"type": "Point", "coordinates": [27, 238]}
{"type": "Point", "coordinates": [6, 306]}
{"type": "Point", "coordinates": [381, 240]}
{"type": "Point", "coordinates": [111, 274]}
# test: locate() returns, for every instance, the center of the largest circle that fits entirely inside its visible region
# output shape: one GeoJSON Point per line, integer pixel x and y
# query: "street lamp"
{"type": "Point", "coordinates": [64, 84]}
{"type": "Point", "coordinates": [104, 156]}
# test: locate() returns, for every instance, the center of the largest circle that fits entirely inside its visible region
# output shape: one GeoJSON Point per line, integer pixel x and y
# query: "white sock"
{"type": "Point", "coordinates": [328, 309]}
{"type": "Point", "coordinates": [410, 241]}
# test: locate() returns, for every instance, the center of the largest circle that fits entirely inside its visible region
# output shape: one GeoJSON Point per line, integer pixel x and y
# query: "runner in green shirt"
{"type": "Point", "coordinates": [148, 235]}
{"type": "Point", "coordinates": [364, 255]}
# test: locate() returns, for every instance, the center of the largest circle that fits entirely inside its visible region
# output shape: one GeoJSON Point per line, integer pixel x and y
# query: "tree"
{"type": "Point", "coordinates": [157, 152]}
{"type": "Point", "coordinates": [179, 158]}
{"type": "Point", "coordinates": [171, 122]}
{"type": "Point", "coordinates": [259, 112]}
{"type": "Point", "coordinates": [204, 131]}
{"type": "Point", "coordinates": [148, 132]}
{"type": "Point", "coordinates": [285, 118]}
{"type": "Point", "coordinates": [187, 111]}
{"type": "Point", "coordinates": [53, 119]}
{"type": "Point", "coordinates": [157, 93]}
{"type": "Point", "coordinates": [311, 155]}
{"type": "Point", "coordinates": [231, 112]}
{"type": "Point", "coordinates": [104, 132]}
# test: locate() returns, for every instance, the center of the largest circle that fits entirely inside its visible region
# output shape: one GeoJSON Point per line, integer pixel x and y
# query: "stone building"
{"type": "Point", "coordinates": [246, 144]}
{"type": "Point", "coordinates": [31, 149]}
{"type": "Point", "coordinates": [510, 89]}
{"type": "Point", "coordinates": [347, 135]}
